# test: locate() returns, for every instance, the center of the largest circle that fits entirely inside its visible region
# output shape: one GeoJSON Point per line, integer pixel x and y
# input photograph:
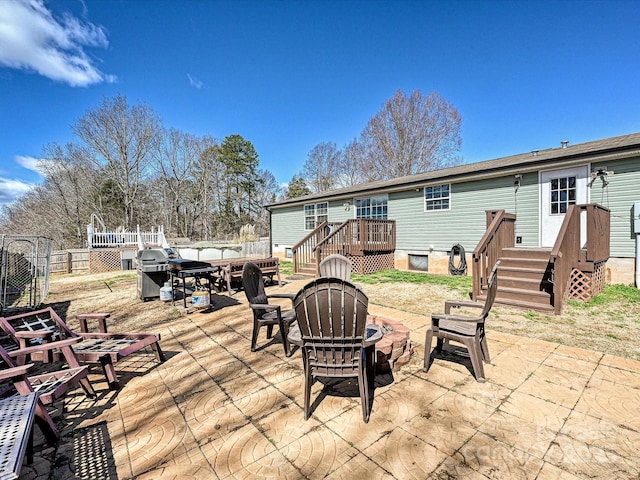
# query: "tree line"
{"type": "Point", "coordinates": [129, 169]}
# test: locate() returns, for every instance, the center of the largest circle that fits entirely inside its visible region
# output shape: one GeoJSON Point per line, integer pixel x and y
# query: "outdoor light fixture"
{"type": "Point", "coordinates": [602, 173]}
{"type": "Point", "coordinates": [516, 183]}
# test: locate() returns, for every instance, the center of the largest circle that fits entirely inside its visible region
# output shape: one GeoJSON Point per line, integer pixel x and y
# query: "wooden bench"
{"type": "Point", "coordinates": [16, 436]}
{"type": "Point", "coordinates": [231, 269]}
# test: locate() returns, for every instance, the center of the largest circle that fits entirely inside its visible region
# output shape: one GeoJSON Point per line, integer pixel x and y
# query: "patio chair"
{"type": "Point", "coordinates": [48, 386]}
{"type": "Point", "coordinates": [336, 266]}
{"type": "Point", "coordinates": [34, 328]}
{"type": "Point", "coordinates": [467, 330]}
{"type": "Point", "coordinates": [332, 332]}
{"type": "Point", "coordinates": [265, 314]}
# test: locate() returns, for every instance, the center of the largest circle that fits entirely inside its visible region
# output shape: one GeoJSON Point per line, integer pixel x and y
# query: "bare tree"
{"type": "Point", "coordinates": [268, 192]}
{"type": "Point", "coordinates": [352, 170]}
{"type": "Point", "coordinates": [70, 189]}
{"type": "Point", "coordinates": [321, 169]}
{"type": "Point", "coordinates": [122, 138]}
{"type": "Point", "coordinates": [176, 157]}
{"type": "Point", "coordinates": [411, 135]}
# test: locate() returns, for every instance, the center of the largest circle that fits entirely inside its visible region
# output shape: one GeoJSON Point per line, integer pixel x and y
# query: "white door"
{"type": "Point", "coordinates": [558, 190]}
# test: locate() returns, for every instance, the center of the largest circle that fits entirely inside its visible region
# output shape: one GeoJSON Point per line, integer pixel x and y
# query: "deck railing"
{"type": "Point", "coordinates": [500, 234]}
{"type": "Point", "coordinates": [304, 251]}
{"type": "Point", "coordinates": [353, 237]}
{"type": "Point", "coordinates": [566, 252]}
{"type": "Point", "coordinates": [109, 239]}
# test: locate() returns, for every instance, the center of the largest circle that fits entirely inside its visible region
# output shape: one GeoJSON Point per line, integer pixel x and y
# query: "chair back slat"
{"type": "Point", "coordinates": [253, 284]}
{"type": "Point", "coordinates": [336, 266]}
{"type": "Point", "coordinates": [332, 316]}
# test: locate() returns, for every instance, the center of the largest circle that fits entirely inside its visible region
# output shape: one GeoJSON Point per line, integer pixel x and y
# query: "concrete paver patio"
{"type": "Point", "coordinates": [216, 410]}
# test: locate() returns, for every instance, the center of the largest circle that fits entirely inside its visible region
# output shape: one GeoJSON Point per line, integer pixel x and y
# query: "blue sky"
{"type": "Point", "coordinates": [287, 75]}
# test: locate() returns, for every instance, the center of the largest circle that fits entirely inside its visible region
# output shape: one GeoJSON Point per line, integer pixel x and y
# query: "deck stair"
{"type": "Point", "coordinates": [544, 279]}
{"type": "Point", "coordinates": [524, 279]}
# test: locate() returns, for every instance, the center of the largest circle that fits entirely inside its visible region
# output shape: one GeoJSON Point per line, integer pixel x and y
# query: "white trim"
{"type": "Point", "coordinates": [424, 199]}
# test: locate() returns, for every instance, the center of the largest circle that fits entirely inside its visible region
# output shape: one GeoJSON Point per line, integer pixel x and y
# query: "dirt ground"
{"type": "Point", "coordinates": [614, 329]}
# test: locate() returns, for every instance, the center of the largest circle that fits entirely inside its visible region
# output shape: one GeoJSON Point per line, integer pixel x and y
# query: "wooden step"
{"type": "Point", "coordinates": [540, 283]}
{"type": "Point", "coordinates": [524, 262]}
{"type": "Point", "coordinates": [526, 305]}
{"type": "Point", "coordinates": [529, 298]}
{"type": "Point", "coordinates": [307, 271]}
{"type": "Point", "coordinates": [530, 273]}
{"type": "Point", "coordinates": [529, 253]}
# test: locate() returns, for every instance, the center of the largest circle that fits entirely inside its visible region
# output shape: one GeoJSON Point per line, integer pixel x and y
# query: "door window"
{"type": "Point", "coordinates": [563, 194]}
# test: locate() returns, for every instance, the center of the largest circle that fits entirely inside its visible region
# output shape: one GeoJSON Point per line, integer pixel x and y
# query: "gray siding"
{"type": "Point", "coordinates": [465, 221]}
{"type": "Point", "coordinates": [619, 196]}
{"type": "Point", "coordinates": [287, 225]}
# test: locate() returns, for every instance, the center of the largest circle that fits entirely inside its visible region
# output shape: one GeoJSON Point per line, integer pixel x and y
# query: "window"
{"type": "Point", "coordinates": [373, 207]}
{"type": "Point", "coordinates": [437, 197]}
{"type": "Point", "coordinates": [563, 194]}
{"type": "Point", "coordinates": [315, 214]}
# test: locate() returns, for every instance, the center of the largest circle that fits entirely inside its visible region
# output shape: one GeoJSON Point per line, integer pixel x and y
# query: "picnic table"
{"type": "Point", "coordinates": [231, 270]}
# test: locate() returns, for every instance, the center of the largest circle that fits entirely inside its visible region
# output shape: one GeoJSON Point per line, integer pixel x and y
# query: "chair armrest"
{"type": "Point", "coordinates": [435, 317]}
{"type": "Point", "coordinates": [13, 372]}
{"type": "Point", "coordinates": [27, 335]}
{"type": "Point", "coordinates": [44, 346]}
{"type": "Point", "coordinates": [290, 296]}
{"type": "Point", "coordinates": [461, 303]}
{"type": "Point", "coordinates": [264, 306]}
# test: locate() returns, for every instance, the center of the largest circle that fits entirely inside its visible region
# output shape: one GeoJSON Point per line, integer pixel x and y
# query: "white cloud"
{"type": "Point", "coordinates": [11, 190]}
{"type": "Point", "coordinates": [31, 38]}
{"type": "Point", "coordinates": [30, 163]}
{"type": "Point", "coordinates": [195, 82]}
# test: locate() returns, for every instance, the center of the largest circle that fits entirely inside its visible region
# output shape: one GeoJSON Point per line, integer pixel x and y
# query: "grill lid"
{"type": "Point", "coordinates": [156, 255]}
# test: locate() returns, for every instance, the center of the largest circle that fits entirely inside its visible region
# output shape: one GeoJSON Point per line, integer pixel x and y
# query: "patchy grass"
{"type": "Point", "coordinates": [609, 323]}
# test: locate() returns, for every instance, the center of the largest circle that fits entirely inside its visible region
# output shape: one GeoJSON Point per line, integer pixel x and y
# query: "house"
{"type": "Point", "coordinates": [436, 210]}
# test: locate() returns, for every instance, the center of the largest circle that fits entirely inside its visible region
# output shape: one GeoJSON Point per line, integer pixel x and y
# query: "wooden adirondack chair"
{"type": "Point", "coordinates": [332, 333]}
{"type": "Point", "coordinates": [337, 266]}
{"type": "Point", "coordinates": [30, 328]}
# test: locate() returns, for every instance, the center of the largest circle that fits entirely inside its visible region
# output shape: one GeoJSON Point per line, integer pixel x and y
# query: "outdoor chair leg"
{"type": "Point", "coordinates": [254, 335]}
{"type": "Point", "coordinates": [87, 387]}
{"type": "Point", "coordinates": [308, 380]}
{"type": "Point", "coordinates": [485, 349]}
{"type": "Point", "coordinates": [284, 333]}
{"type": "Point", "coordinates": [363, 386]}
{"type": "Point", "coordinates": [158, 352]}
{"type": "Point", "coordinates": [427, 350]}
{"type": "Point", "coordinates": [476, 359]}
{"type": "Point", "coordinates": [110, 372]}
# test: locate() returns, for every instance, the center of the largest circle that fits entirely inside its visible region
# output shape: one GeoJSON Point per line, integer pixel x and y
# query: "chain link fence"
{"type": "Point", "coordinates": [24, 271]}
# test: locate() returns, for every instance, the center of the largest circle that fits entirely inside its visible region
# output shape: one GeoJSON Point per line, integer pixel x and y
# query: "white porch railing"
{"type": "Point", "coordinates": [110, 239]}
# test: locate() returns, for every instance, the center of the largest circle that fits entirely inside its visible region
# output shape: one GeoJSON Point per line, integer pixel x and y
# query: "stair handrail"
{"type": "Point", "coordinates": [565, 254]}
{"type": "Point", "coordinates": [305, 248]}
{"type": "Point", "coordinates": [500, 234]}
{"type": "Point", "coordinates": [337, 236]}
